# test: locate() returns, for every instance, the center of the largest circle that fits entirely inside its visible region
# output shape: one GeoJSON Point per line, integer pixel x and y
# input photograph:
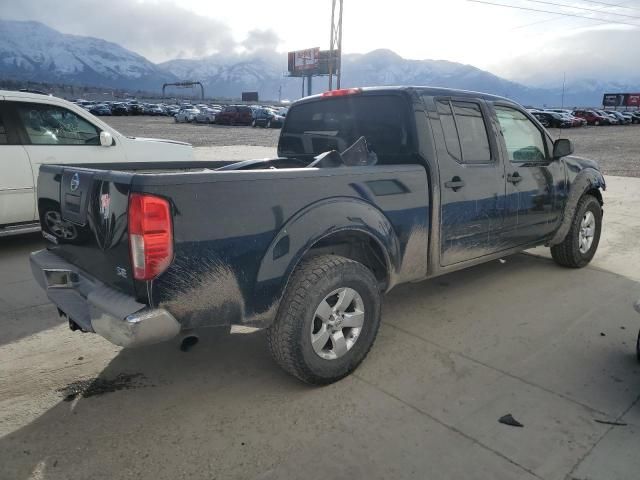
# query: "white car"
{"type": "Point", "coordinates": [186, 115]}
{"type": "Point", "coordinates": [38, 129]}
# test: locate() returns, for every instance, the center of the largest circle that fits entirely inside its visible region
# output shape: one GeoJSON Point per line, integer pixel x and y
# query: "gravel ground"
{"type": "Point", "coordinates": [616, 148]}
{"type": "Point", "coordinates": [199, 135]}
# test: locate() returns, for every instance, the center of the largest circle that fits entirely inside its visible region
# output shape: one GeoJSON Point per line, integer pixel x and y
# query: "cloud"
{"type": "Point", "coordinates": [606, 54]}
{"type": "Point", "coordinates": [159, 30]}
{"type": "Point", "coordinates": [261, 40]}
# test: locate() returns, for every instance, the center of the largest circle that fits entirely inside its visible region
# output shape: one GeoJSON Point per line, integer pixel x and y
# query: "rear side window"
{"type": "Point", "coordinates": [52, 125]}
{"type": "Point", "coordinates": [465, 131]}
{"type": "Point", "coordinates": [336, 123]}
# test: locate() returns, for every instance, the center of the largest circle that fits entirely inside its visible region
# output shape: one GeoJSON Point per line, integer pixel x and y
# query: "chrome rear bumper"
{"type": "Point", "coordinates": [96, 307]}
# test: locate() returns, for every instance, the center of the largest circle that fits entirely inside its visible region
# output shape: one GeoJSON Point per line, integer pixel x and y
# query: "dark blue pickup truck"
{"type": "Point", "coordinates": [371, 188]}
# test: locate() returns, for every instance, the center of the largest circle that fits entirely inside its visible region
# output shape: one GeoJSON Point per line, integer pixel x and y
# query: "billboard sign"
{"type": "Point", "coordinates": [632, 100]}
{"type": "Point", "coordinates": [621, 100]}
{"type": "Point", "coordinates": [304, 60]}
{"type": "Point", "coordinates": [612, 100]}
{"type": "Point", "coordinates": [249, 96]}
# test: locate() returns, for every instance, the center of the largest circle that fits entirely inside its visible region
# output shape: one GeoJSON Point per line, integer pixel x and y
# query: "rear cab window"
{"type": "Point", "coordinates": [336, 123]}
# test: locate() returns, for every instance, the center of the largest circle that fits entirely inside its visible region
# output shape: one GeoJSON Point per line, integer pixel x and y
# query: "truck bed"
{"type": "Point", "coordinates": [237, 233]}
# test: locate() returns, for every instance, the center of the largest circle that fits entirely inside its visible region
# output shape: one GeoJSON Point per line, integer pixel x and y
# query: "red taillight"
{"type": "Point", "coordinates": [150, 235]}
{"type": "Point", "coordinates": [342, 92]}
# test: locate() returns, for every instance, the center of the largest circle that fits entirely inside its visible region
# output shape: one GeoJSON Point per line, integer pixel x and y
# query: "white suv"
{"type": "Point", "coordinates": [36, 129]}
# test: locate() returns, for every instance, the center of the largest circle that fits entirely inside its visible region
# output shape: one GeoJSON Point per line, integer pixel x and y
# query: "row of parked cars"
{"type": "Point", "coordinates": [254, 115]}
{"type": "Point", "coordinates": [562, 118]}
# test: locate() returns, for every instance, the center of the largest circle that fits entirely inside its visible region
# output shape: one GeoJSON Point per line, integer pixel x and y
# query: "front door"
{"type": "Point", "coordinates": [472, 190]}
{"type": "Point", "coordinates": [17, 192]}
{"type": "Point", "coordinates": [534, 180]}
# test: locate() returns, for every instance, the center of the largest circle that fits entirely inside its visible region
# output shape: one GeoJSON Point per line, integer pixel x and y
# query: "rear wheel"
{"type": "Point", "coordinates": [580, 245]}
{"type": "Point", "coordinates": [328, 319]}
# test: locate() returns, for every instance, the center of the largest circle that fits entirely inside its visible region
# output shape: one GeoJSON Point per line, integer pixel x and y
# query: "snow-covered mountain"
{"type": "Point", "coordinates": [33, 51]}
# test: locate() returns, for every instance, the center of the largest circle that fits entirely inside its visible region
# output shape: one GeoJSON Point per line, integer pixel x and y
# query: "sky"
{"type": "Point", "coordinates": [531, 47]}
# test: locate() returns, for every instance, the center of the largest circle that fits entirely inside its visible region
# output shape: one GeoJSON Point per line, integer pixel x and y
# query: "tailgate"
{"type": "Point", "coordinates": [83, 213]}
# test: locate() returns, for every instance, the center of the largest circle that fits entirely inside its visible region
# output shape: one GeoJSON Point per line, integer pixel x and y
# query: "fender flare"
{"type": "Point", "coordinates": [310, 225]}
{"type": "Point", "coordinates": [587, 179]}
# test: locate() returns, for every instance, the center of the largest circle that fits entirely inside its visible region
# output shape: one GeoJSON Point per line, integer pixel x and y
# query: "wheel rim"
{"type": "Point", "coordinates": [58, 226]}
{"type": "Point", "coordinates": [587, 232]}
{"type": "Point", "coordinates": [337, 323]}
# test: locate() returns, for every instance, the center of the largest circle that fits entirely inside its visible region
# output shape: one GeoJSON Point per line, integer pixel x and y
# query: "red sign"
{"type": "Point", "coordinates": [632, 100]}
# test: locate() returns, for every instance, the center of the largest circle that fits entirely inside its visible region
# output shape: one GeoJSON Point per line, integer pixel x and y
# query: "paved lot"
{"type": "Point", "coordinates": [554, 347]}
{"type": "Point", "coordinates": [616, 148]}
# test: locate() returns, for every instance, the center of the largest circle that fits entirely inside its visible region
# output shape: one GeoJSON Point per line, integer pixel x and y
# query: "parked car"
{"type": "Point", "coordinates": [36, 130]}
{"type": "Point", "coordinates": [612, 118]}
{"type": "Point", "coordinates": [592, 117]}
{"type": "Point", "coordinates": [206, 115]}
{"type": "Point", "coordinates": [635, 116]}
{"type": "Point", "coordinates": [136, 109]}
{"type": "Point", "coordinates": [120, 109]}
{"type": "Point", "coordinates": [622, 120]}
{"type": "Point", "coordinates": [171, 110]}
{"type": "Point", "coordinates": [100, 109]}
{"type": "Point", "coordinates": [305, 244]}
{"type": "Point", "coordinates": [186, 115]}
{"type": "Point", "coordinates": [235, 115]}
{"type": "Point", "coordinates": [576, 121]}
{"type": "Point", "coordinates": [154, 110]}
{"type": "Point", "coordinates": [553, 120]}
{"type": "Point", "coordinates": [266, 118]}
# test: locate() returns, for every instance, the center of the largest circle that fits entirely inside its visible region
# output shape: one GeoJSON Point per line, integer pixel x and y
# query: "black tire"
{"type": "Point", "coordinates": [290, 335]}
{"type": "Point", "coordinates": [567, 253]}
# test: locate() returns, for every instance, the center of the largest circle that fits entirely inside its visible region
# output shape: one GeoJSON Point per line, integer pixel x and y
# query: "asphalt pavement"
{"type": "Point", "coordinates": [553, 347]}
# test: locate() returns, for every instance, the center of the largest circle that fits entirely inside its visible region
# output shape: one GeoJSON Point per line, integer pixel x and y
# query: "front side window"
{"type": "Point", "coordinates": [52, 125]}
{"type": "Point", "coordinates": [523, 139]}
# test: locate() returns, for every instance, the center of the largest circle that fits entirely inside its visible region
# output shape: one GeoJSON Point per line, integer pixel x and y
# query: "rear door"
{"type": "Point", "coordinates": [17, 183]}
{"type": "Point", "coordinates": [534, 181]}
{"type": "Point", "coordinates": [472, 193]}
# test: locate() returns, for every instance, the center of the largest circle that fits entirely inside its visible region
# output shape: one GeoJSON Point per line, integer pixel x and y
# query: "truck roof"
{"type": "Point", "coordinates": [433, 91]}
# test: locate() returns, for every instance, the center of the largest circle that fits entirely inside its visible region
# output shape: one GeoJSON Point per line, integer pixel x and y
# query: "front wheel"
{"type": "Point", "coordinates": [580, 245]}
{"type": "Point", "coordinates": [327, 321]}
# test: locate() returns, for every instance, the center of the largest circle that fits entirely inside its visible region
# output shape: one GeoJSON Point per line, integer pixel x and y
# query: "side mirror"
{"type": "Point", "coordinates": [562, 147]}
{"type": "Point", "coordinates": [106, 139]}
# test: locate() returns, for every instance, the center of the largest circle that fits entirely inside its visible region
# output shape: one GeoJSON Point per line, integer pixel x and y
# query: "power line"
{"type": "Point", "coordinates": [564, 5]}
{"type": "Point", "coordinates": [555, 19]}
{"type": "Point", "coordinates": [600, 20]}
{"type": "Point", "coordinates": [618, 5]}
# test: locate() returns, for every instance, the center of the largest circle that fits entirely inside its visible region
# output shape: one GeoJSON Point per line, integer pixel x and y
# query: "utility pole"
{"type": "Point", "coordinates": [335, 43]}
{"type": "Point", "coordinates": [280, 94]}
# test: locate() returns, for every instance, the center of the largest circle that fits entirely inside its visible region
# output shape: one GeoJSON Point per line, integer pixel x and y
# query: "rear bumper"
{"type": "Point", "coordinates": [96, 307]}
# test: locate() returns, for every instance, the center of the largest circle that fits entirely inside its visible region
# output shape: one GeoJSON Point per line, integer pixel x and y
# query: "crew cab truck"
{"type": "Point", "coordinates": [428, 181]}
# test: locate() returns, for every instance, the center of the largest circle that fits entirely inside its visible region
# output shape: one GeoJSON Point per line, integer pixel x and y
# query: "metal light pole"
{"type": "Point", "coordinates": [335, 43]}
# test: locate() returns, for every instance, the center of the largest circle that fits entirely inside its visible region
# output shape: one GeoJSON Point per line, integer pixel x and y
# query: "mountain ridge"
{"type": "Point", "coordinates": [32, 51]}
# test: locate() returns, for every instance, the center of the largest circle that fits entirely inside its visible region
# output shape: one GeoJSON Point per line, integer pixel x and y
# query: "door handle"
{"type": "Point", "coordinates": [515, 178]}
{"type": "Point", "coordinates": [454, 184]}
